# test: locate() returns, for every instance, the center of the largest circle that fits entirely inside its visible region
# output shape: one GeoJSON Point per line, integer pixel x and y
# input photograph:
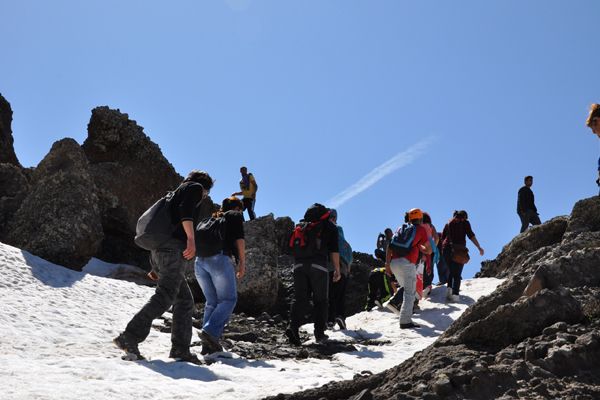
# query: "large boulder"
{"type": "Point", "coordinates": [522, 246]}
{"type": "Point", "coordinates": [130, 173]}
{"type": "Point", "coordinates": [59, 219]}
{"type": "Point", "coordinates": [258, 290]}
{"type": "Point", "coordinates": [13, 189]}
{"type": "Point", "coordinates": [7, 151]}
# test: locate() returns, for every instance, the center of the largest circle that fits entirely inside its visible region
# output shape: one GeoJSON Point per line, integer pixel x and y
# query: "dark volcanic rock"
{"type": "Point", "coordinates": [13, 189]}
{"type": "Point", "coordinates": [7, 151]}
{"type": "Point", "coordinates": [523, 245]}
{"type": "Point", "coordinates": [131, 174]}
{"type": "Point", "coordinates": [59, 219]}
{"type": "Point", "coordinates": [537, 336]}
{"type": "Point", "coordinates": [257, 291]}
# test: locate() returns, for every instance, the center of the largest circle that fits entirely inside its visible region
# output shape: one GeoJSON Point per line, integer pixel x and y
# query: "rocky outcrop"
{"type": "Point", "coordinates": [7, 151]}
{"type": "Point", "coordinates": [13, 189]}
{"type": "Point", "coordinates": [59, 219]}
{"type": "Point", "coordinates": [537, 336]}
{"type": "Point", "coordinates": [258, 290]}
{"type": "Point", "coordinates": [515, 253]}
{"type": "Point", "coordinates": [130, 173]}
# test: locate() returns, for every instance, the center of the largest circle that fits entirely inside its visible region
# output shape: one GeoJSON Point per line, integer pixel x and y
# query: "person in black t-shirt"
{"type": "Point", "coordinates": [216, 275]}
{"type": "Point", "coordinates": [169, 263]}
{"type": "Point", "coordinates": [311, 275]}
{"type": "Point", "coordinates": [526, 205]}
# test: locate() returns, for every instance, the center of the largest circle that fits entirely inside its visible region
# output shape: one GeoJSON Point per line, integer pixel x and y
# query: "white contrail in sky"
{"type": "Point", "coordinates": [400, 160]}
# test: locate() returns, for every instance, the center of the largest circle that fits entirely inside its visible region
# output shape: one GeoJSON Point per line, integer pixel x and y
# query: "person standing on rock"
{"type": "Point", "coordinates": [216, 272]}
{"type": "Point", "coordinates": [404, 266]}
{"type": "Point", "coordinates": [454, 243]}
{"type": "Point", "coordinates": [314, 242]}
{"type": "Point", "coordinates": [593, 122]}
{"type": "Point", "coordinates": [248, 189]}
{"type": "Point", "coordinates": [526, 205]}
{"type": "Point", "coordinates": [169, 263]}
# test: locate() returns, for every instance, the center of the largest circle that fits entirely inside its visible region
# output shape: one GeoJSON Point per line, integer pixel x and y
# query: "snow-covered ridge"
{"type": "Point", "coordinates": [57, 326]}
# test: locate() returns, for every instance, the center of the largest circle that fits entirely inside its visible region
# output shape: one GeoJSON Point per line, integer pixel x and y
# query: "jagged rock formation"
{"type": "Point", "coordinates": [13, 189]}
{"type": "Point", "coordinates": [59, 218]}
{"type": "Point", "coordinates": [258, 289]}
{"type": "Point", "coordinates": [130, 173]}
{"type": "Point", "coordinates": [7, 151]}
{"type": "Point", "coordinates": [537, 336]}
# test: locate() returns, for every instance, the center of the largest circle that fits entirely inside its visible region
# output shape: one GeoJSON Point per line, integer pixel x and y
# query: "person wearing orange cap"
{"type": "Point", "coordinates": [403, 265]}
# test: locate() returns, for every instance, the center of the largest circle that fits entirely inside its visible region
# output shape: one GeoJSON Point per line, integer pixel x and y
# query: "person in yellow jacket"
{"type": "Point", "coordinates": [248, 188]}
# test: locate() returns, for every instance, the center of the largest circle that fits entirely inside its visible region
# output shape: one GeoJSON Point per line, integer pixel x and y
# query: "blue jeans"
{"type": "Point", "coordinates": [216, 276]}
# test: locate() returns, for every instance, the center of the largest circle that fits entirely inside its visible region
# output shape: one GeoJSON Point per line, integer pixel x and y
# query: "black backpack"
{"type": "Point", "coordinates": [155, 226]}
{"type": "Point", "coordinates": [210, 236]}
{"type": "Point", "coordinates": [305, 241]}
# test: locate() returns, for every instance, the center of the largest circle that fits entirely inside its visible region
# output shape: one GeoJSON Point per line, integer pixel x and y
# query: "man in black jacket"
{"type": "Point", "coordinates": [169, 263]}
{"type": "Point", "coordinates": [319, 244]}
{"type": "Point", "coordinates": [526, 206]}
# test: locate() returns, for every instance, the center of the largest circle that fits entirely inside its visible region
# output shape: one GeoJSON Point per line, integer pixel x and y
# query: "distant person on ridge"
{"type": "Point", "coordinates": [402, 263]}
{"type": "Point", "coordinates": [526, 205]}
{"type": "Point", "coordinates": [313, 242]}
{"type": "Point", "coordinates": [169, 263]}
{"type": "Point", "coordinates": [382, 242]}
{"type": "Point", "coordinates": [455, 251]}
{"type": "Point", "coordinates": [593, 122]}
{"type": "Point", "coordinates": [248, 189]}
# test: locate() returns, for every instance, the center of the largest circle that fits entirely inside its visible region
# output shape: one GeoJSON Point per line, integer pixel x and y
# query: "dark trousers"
{"type": "Point", "coordinates": [249, 205]}
{"type": "Point", "coordinates": [310, 279]}
{"type": "Point", "coordinates": [442, 269]}
{"type": "Point", "coordinates": [454, 272]}
{"type": "Point", "coordinates": [172, 290]}
{"type": "Point", "coordinates": [379, 287]}
{"type": "Point", "coordinates": [337, 298]}
{"type": "Point", "coordinates": [428, 272]}
{"type": "Point", "coordinates": [529, 217]}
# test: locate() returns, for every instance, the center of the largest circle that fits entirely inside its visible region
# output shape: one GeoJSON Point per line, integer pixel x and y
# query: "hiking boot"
{"type": "Point", "coordinates": [321, 337]}
{"type": "Point", "coordinates": [341, 323]}
{"type": "Point", "coordinates": [426, 291]}
{"type": "Point", "coordinates": [416, 307]}
{"type": "Point", "coordinates": [210, 344]}
{"type": "Point", "coordinates": [449, 293]}
{"type": "Point", "coordinates": [409, 325]}
{"type": "Point", "coordinates": [184, 355]}
{"type": "Point", "coordinates": [455, 298]}
{"type": "Point", "coordinates": [392, 307]}
{"type": "Point", "coordinates": [293, 336]}
{"type": "Point", "coordinates": [128, 345]}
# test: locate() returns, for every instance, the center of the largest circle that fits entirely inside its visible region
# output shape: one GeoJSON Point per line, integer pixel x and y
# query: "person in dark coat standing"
{"type": "Point", "coordinates": [526, 205]}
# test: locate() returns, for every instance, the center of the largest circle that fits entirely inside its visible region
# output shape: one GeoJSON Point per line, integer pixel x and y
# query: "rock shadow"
{"type": "Point", "coordinates": [51, 274]}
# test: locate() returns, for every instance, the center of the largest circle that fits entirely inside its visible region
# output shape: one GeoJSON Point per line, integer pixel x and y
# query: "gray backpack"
{"type": "Point", "coordinates": [155, 226]}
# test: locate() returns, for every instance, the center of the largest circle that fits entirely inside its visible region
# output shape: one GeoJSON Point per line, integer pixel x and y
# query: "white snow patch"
{"type": "Point", "coordinates": [57, 327]}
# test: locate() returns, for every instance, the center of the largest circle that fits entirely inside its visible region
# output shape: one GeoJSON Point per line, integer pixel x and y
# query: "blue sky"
{"type": "Point", "coordinates": [314, 96]}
